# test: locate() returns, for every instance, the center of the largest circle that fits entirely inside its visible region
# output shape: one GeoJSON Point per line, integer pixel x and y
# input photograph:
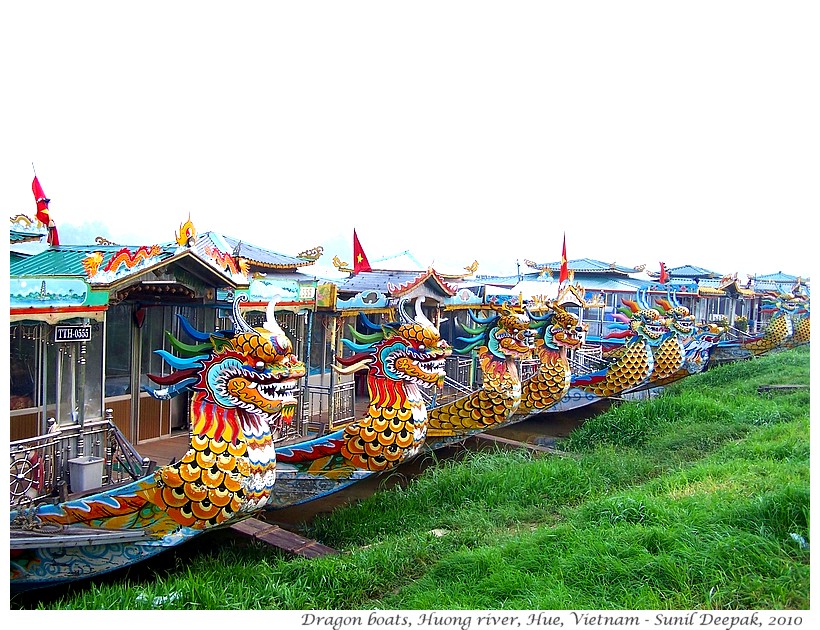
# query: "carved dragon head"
{"type": "Point", "coordinates": [250, 374]}
{"type": "Point", "coordinates": [678, 319]}
{"type": "Point", "coordinates": [506, 333]}
{"type": "Point", "coordinates": [409, 351]}
{"type": "Point", "coordinates": [559, 328]}
{"type": "Point", "coordinates": [640, 322]}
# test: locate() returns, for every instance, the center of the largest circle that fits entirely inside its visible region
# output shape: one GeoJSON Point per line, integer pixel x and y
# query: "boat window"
{"type": "Point", "coordinates": [24, 345]}
{"type": "Point", "coordinates": [118, 351]}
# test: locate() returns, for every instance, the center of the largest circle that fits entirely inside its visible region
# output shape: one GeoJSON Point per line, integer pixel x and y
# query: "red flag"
{"type": "Point", "coordinates": [664, 277]}
{"type": "Point", "coordinates": [564, 275]}
{"type": "Point", "coordinates": [360, 262]}
{"type": "Point", "coordinates": [43, 215]}
{"type": "Point", "coordinates": [42, 201]}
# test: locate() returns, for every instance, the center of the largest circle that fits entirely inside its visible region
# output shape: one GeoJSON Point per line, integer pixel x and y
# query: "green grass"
{"type": "Point", "coordinates": [697, 499]}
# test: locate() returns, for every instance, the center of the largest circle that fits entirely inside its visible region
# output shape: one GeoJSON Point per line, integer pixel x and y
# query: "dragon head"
{"type": "Point", "coordinates": [710, 332]}
{"type": "Point", "coordinates": [678, 319]}
{"type": "Point", "coordinates": [780, 309]}
{"type": "Point", "coordinates": [251, 373]}
{"type": "Point", "coordinates": [409, 351]}
{"type": "Point", "coordinates": [506, 333]}
{"type": "Point", "coordinates": [560, 328]}
{"type": "Point", "coordinates": [254, 370]}
{"type": "Point", "coordinates": [644, 323]}
{"type": "Point", "coordinates": [705, 336]}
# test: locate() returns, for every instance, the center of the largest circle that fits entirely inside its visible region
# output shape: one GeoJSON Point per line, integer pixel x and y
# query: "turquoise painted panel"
{"type": "Point", "coordinates": [365, 299]}
{"type": "Point", "coordinates": [463, 297]}
{"type": "Point", "coordinates": [45, 292]}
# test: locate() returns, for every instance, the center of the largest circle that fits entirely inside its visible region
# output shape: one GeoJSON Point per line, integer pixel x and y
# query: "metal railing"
{"type": "Point", "coordinates": [458, 370]}
{"type": "Point", "coordinates": [40, 466]}
{"type": "Point", "coordinates": [324, 409]}
{"type": "Point", "coordinates": [735, 334]}
{"type": "Point", "coordinates": [451, 391]}
{"type": "Point", "coordinates": [527, 368]}
{"type": "Point", "coordinates": [587, 359]}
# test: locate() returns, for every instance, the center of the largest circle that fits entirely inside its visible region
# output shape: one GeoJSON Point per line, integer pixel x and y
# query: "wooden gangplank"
{"type": "Point", "coordinates": [281, 538]}
{"type": "Point", "coordinates": [516, 444]}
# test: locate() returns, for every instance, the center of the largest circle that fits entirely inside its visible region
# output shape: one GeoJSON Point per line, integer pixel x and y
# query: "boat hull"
{"type": "Point", "coordinates": [79, 539]}
{"type": "Point", "coordinates": [295, 487]}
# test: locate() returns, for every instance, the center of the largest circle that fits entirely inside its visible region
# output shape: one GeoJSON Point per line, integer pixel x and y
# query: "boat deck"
{"type": "Point", "coordinates": [167, 449]}
{"type": "Point", "coordinates": [164, 450]}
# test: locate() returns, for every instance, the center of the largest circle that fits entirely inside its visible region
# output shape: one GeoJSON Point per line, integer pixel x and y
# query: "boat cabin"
{"type": "Point", "coordinates": [86, 322]}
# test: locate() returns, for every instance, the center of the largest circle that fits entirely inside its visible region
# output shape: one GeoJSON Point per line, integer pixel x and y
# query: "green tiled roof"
{"type": "Point", "coordinates": [67, 260]}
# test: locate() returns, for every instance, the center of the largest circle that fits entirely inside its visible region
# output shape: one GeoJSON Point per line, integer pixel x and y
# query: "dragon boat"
{"type": "Point", "coordinates": [787, 327]}
{"type": "Point", "coordinates": [628, 365]}
{"type": "Point", "coordinates": [558, 332]}
{"type": "Point", "coordinates": [499, 340]}
{"type": "Point", "coordinates": [241, 386]}
{"type": "Point", "coordinates": [402, 359]}
{"type": "Point", "coordinates": [684, 349]}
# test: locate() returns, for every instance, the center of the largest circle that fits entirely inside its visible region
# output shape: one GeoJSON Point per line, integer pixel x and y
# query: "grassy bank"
{"type": "Point", "coordinates": [698, 499]}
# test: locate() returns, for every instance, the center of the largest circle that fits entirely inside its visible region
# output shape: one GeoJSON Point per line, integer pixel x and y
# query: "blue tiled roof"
{"type": "Point", "coordinates": [261, 256]}
{"type": "Point", "coordinates": [587, 265]}
{"type": "Point", "coordinates": [690, 271]}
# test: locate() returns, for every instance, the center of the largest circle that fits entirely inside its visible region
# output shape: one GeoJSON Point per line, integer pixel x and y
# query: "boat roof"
{"type": "Point", "coordinates": [69, 260]}
{"type": "Point", "coordinates": [690, 271]}
{"type": "Point", "coordinates": [586, 265]}
{"type": "Point", "coordinates": [394, 282]}
{"type": "Point", "coordinates": [265, 258]}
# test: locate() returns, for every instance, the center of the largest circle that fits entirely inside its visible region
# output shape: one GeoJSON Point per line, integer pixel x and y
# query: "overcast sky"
{"type": "Point", "coordinates": [685, 132]}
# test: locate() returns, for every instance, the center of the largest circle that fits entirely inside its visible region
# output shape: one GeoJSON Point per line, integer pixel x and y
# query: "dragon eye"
{"type": "Point", "coordinates": [260, 365]}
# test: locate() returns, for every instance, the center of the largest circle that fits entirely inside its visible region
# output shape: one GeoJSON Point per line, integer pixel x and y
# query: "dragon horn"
{"type": "Point", "coordinates": [546, 316]}
{"type": "Point", "coordinates": [404, 318]}
{"type": "Point", "coordinates": [367, 323]}
{"type": "Point", "coordinates": [271, 324]}
{"type": "Point", "coordinates": [238, 321]}
{"type": "Point", "coordinates": [421, 318]}
{"type": "Point", "coordinates": [642, 301]}
{"type": "Point", "coordinates": [480, 320]}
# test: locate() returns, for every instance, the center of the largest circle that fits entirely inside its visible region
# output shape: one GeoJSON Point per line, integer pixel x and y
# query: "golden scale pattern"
{"type": "Point", "coordinates": [205, 487]}
{"type": "Point", "coordinates": [382, 439]}
{"type": "Point", "coordinates": [548, 385]}
{"type": "Point", "coordinates": [802, 331]}
{"type": "Point", "coordinates": [485, 408]}
{"type": "Point", "coordinates": [631, 369]}
{"type": "Point", "coordinates": [255, 345]}
{"type": "Point", "coordinates": [776, 332]}
{"type": "Point", "coordinates": [669, 358]}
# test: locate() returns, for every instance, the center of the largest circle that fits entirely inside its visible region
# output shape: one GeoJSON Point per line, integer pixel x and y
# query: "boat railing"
{"type": "Point", "coordinates": [592, 351]}
{"type": "Point", "coordinates": [451, 391]}
{"type": "Point", "coordinates": [587, 359]}
{"type": "Point", "coordinates": [735, 334]}
{"type": "Point", "coordinates": [323, 407]}
{"type": "Point", "coordinates": [459, 370]}
{"type": "Point", "coordinates": [527, 368]}
{"type": "Point", "coordinates": [41, 466]}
